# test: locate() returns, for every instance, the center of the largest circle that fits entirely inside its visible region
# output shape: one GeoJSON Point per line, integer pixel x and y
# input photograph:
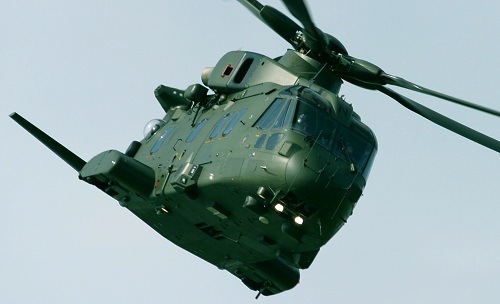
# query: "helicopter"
{"type": "Point", "coordinates": [226, 170]}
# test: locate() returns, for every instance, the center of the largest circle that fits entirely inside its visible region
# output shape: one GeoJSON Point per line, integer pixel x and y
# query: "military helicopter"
{"type": "Point", "coordinates": [256, 177]}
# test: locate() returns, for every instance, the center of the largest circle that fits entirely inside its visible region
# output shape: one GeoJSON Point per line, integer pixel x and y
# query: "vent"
{"type": "Point", "coordinates": [243, 70]}
{"type": "Point", "coordinates": [210, 231]}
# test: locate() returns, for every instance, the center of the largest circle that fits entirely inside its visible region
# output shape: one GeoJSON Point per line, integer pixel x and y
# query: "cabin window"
{"type": "Point", "coordinates": [274, 140]}
{"type": "Point", "coordinates": [196, 130]}
{"type": "Point", "coordinates": [219, 126]}
{"type": "Point", "coordinates": [234, 121]}
{"type": "Point", "coordinates": [160, 140]}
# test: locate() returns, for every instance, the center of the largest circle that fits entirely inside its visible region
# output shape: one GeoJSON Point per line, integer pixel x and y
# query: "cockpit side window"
{"type": "Point", "coordinates": [270, 117]}
{"type": "Point", "coordinates": [285, 118]}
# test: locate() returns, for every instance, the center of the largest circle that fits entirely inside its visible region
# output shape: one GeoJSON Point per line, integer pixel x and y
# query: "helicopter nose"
{"type": "Point", "coordinates": [313, 175]}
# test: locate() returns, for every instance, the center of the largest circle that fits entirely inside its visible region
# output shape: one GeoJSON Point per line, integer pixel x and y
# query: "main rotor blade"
{"type": "Point", "coordinates": [369, 76]}
{"type": "Point", "coordinates": [64, 153]}
{"type": "Point", "coordinates": [403, 83]}
{"type": "Point", "coordinates": [276, 20]}
{"type": "Point", "coordinates": [442, 120]}
{"type": "Point", "coordinates": [253, 6]}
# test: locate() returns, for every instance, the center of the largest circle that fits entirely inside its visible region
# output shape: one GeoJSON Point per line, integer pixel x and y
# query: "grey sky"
{"type": "Point", "coordinates": [425, 231]}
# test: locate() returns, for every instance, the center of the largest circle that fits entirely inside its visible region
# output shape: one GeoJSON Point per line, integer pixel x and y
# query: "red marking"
{"type": "Point", "coordinates": [227, 71]}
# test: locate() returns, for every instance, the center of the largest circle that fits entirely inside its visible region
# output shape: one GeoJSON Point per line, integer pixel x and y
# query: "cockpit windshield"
{"type": "Point", "coordinates": [313, 123]}
{"type": "Point", "coordinates": [314, 119]}
{"type": "Point", "coordinates": [307, 113]}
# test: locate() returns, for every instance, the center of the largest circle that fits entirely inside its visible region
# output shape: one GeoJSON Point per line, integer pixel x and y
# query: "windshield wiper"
{"type": "Point", "coordinates": [347, 153]}
{"type": "Point", "coordinates": [311, 138]}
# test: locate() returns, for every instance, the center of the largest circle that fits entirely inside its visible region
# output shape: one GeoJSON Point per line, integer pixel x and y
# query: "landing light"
{"type": "Point", "coordinates": [298, 220]}
{"type": "Point", "coordinates": [279, 207]}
